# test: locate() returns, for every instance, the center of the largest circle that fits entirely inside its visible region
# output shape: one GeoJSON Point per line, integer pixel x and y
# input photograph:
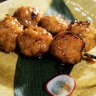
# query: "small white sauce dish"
{"type": "Point", "coordinates": [62, 85]}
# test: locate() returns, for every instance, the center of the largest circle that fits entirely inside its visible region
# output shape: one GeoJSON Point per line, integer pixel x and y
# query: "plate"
{"type": "Point", "coordinates": [23, 76]}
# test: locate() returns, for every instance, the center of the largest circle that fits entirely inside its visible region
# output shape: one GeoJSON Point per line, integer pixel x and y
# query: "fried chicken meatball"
{"type": "Point", "coordinates": [67, 47]}
{"type": "Point", "coordinates": [28, 16]}
{"type": "Point", "coordinates": [54, 24]}
{"type": "Point", "coordinates": [9, 30]}
{"type": "Point", "coordinates": [86, 31]}
{"type": "Point", "coordinates": [34, 41]}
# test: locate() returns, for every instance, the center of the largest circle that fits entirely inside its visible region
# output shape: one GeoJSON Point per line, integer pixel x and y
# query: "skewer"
{"type": "Point", "coordinates": [90, 55]}
{"type": "Point", "coordinates": [62, 67]}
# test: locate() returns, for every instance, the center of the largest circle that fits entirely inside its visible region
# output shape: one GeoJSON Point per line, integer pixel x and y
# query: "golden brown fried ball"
{"type": "Point", "coordinates": [67, 47]}
{"type": "Point", "coordinates": [11, 23]}
{"type": "Point", "coordinates": [28, 16]}
{"type": "Point", "coordinates": [54, 24]}
{"type": "Point", "coordinates": [9, 30]}
{"type": "Point", "coordinates": [34, 41]}
{"type": "Point", "coordinates": [86, 31]}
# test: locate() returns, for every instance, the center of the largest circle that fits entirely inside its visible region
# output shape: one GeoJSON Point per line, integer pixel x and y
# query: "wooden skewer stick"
{"type": "Point", "coordinates": [90, 55]}
{"type": "Point", "coordinates": [62, 67]}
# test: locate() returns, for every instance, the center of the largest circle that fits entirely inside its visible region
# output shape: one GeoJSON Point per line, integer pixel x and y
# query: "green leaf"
{"type": "Point", "coordinates": [32, 74]}
{"type": "Point", "coordinates": [58, 7]}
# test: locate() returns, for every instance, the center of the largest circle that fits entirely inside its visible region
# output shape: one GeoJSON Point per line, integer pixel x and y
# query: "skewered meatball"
{"type": "Point", "coordinates": [67, 47]}
{"type": "Point", "coordinates": [54, 24]}
{"type": "Point", "coordinates": [11, 23]}
{"type": "Point", "coordinates": [86, 31]}
{"type": "Point", "coordinates": [28, 16]}
{"type": "Point", "coordinates": [9, 30]}
{"type": "Point", "coordinates": [34, 41]}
